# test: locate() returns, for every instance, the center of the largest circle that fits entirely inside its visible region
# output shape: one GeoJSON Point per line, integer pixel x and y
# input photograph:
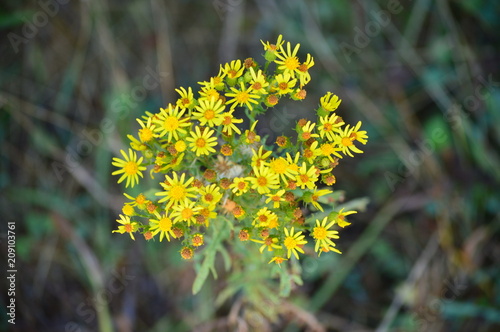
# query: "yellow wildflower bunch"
{"type": "Point", "coordinates": [211, 171]}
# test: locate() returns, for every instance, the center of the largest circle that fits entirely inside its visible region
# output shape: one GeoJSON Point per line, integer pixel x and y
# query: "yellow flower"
{"type": "Point", "coordinates": [258, 82]}
{"type": "Point", "coordinates": [250, 134]}
{"type": "Point", "coordinates": [240, 185]}
{"type": "Point", "coordinates": [202, 143]}
{"type": "Point", "coordinates": [276, 198]}
{"type": "Point", "coordinates": [273, 47]}
{"type": "Point", "coordinates": [303, 70]}
{"type": "Point", "coordinates": [163, 225]}
{"type": "Point", "coordinates": [288, 61]}
{"type": "Point", "coordinates": [187, 98]}
{"type": "Point", "coordinates": [306, 132]}
{"type": "Point", "coordinates": [259, 157]}
{"type": "Point", "coordinates": [130, 167]}
{"type": "Point", "coordinates": [146, 133]}
{"type": "Point", "coordinates": [234, 69]}
{"type": "Point", "coordinates": [269, 242]}
{"type": "Point", "coordinates": [285, 83]}
{"type": "Point", "coordinates": [265, 218]}
{"type": "Point", "coordinates": [328, 149]}
{"type": "Point", "coordinates": [140, 201]}
{"type": "Point", "coordinates": [264, 180]}
{"type": "Point", "coordinates": [210, 195]}
{"type": "Point", "coordinates": [306, 177]}
{"type": "Point", "coordinates": [278, 260]}
{"type": "Point", "coordinates": [185, 211]}
{"type": "Point", "coordinates": [176, 189]}
{"type": "Point", "coordinates": [323, 235]}
{"type": "Point", "coordinates": [242, 97]}
{"type": "Point", "coordinates": [228, 123]}
{"type": "Point", "coordinates": [128, 210]}
{"type": "Point", "coordinates": [209, 113]}
{"type": "Point", "coordinates": [281, 167]}
{"type": "Point", "coordinates": [127, 226]}
{"type": "Point", "coordinates": [330, 126]}
{"type": "Point", "coordinates": [345, 142]}
{"type": "Point", "coordinates": [197, 240]}
{"type": "Point", "coordinates": [170, 122]}
{"type": "Point", "coordinates": [294, 242]}
{"type": "Point", "coordinates": [209, 93]}
{"type": "Point", "coordinates": [314, 197]}
{"type": "Point", "coordinates": [358, 135]}
{"type": "Point", "coordinates": [311, 152]}
{"type": "Point", "coordinates": [341, 218]}
{"type": "Point", "coordinates": [330, 102]}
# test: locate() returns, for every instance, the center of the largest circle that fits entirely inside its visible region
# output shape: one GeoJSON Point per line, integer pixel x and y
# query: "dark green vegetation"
{"type": "Point", "coordinates": [422, 75]}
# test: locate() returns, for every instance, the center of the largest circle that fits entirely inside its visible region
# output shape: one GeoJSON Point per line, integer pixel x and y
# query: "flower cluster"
{"type": "Point", "coordinates": [210, 170]}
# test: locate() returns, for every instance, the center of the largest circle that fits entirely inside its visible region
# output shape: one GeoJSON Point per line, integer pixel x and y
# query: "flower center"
{"type": "Point", "coordinates": [263, 218]}
{"type": "Point", "coordinates": [131, 168]}
{"type": "Point", "coordinates": [232, 73]}
{"type": "Point", "coordinates": [283, 86]}
{"type": "Point", "coordinates": [140, 199]}
{"type": "Point", "coordinates": [242, 97]}
{"type": "Point", "coordinates": [308, 153]}
{"type": "Point", "coordinates": [319, 233]}
{"type": "Point", "coordinates": [306, 135]}
{"type": "Point", "coordinates": [261, 181]}
{"type": "Point", "coordinates": [165, 224]}
{"type": "Point", "coordinates": [290, 243]}
{"type": "Point", "coordinates": [128, 228]}
{"type": "Point", "coordinates": [200, 142]}
{"type": "Point", "coordinates": [278, 166]}
{"type": "Point", "coordinates": [145, 134]}
{"type": "Point", "coordinates": [242, 185]}
{"type": "Point", "coordinates": [327, 126]}
{"type": "Point", "coordinates": [177, 192]}
{"type": "Point", "coordinates": [187, 213]}
{"type": "Point", "coordinates": [209, 197]}
{"type": "Point", "coordinates": [327, 149]}
{"type": "Point", "coordinates": [171, 123]}
{"type": "Point", "coordinates": [275, 198]}
{"type": "Point", "coordinates": [185, 101]}
{"type": "Point", "coordinates": [209, 114]}
{"type": "Point", "coordinates": [303, 68]}
{"type": "Point", "coordinates": [346, 141]}
{"type": "Point", "coordinates": [227, 120]}
{"type": "Point", "coordinates": [304, 178]}
{"type": "Point", "coordinates": [292, 63]}
{"type": "Point", "coordinates": [257, 86]}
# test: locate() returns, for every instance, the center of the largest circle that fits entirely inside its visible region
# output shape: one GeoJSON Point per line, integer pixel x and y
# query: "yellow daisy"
{"type": "Point", "coordinates": [323, 235]}
{"type": "Point", "coordinates": [306, 177]}
{"type": "Point", "coordinates": [329, 149]}
{"type": "Point", "coordinates": [306, 132]}
{"type": "Point", "coordinates": [185, 211]}
{"type": "Point", "coordinates": [210, 195]}
{"type": "Point", "coordinates": [330, 126]}
{"type": "Point", "coordinates": [269, 242]}
{"type": "Point", "coordinates": [276, 198]}
{"type": "Point", "coordinates": [234, 69]}
{"type": "Point", "coordinates": [202, 143]}
{"type": "Point", "coordinates": [330, 102]}
{"type": "Point", "coordinates": [176, 189]}
{"type": "Point", "coordinates": [281, 167]}
{"type": "Point", "coordinates": [264, 180]}
{"type": "Point", "coordinates": [311, 152]}
{"type": "Point", "coordinates": [146, 133]}
{"type": "Point", "coordinates": [242, 97]}
{"type": "Point", "coordinates": [345, 142]}
{"type": "Point", "coordinates": [187, 98]}
{"type": "Point", "coordinates": [288, 61]}
{"type": "Point", "coordinates": [264, 218]}
{"type": "Point", "coordinates": [303, 70]}
{"type": "Point", "coordinates": [130, 167]}
{"type": "Point", "coordinates": [341, 217]}
{"type": "Point", "coordinates": [209, 113]}
{"type": "Point", "coordinates": [127, 226]}
{"type": "Point", "coordinates": [358, 135]}
{"type": "Point", "coordinates": [162, 224]}
{"type": "Point", "coordinates": [285, 83]}
{"type": "Point", "coordinates": [209, 93]}
{"type": "Point", "coordinates": [294, 242]}
{"type": "Point", "coordinates": [228, 123]}
{"type": "Point", "coordinates": [240, 185]}
{"type": "Point", "coordinates": [171, 122]}
{"type": "Point", "coordinates": [258, 82]}
{"type": "Point", "coordinates": [259, 157]}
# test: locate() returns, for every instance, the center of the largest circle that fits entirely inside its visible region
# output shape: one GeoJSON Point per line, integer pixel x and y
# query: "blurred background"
{"type": "Point", "coordinates": [422, 75]}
